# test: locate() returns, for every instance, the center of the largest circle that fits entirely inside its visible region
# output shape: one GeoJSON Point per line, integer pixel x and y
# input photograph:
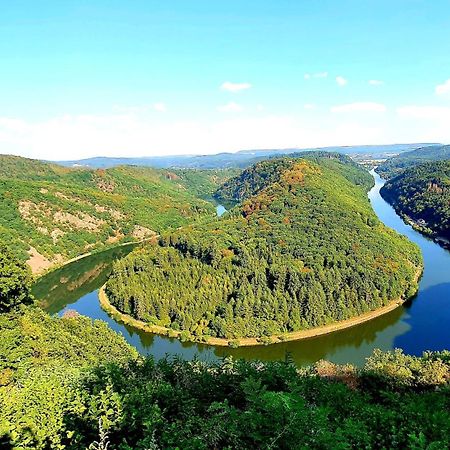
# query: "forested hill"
{"type": "Point", "coordinates": [395, 165]}
{"type": "Point", "coordinates": [258, 176]}
{"type": "Point", "coordinates": [50, 213]}
{"type": "Point", "coordinates": [423, 194]}
{"type": "Point", "coordinates": [302, 249]}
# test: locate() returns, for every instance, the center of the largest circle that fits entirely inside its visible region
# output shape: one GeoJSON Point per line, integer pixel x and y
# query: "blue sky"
{"type": "Point", "coordinates": [84, 78]}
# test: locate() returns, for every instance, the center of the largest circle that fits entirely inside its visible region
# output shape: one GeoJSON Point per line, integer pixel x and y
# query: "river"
{"type": "Point", "coordinates": [419, 325]}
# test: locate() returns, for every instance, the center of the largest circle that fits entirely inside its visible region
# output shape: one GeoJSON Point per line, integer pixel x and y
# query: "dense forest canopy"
{"type": "Point", "coordinates": [15, 281]}
{"type": "Point", "coordinates": [257, 177]}
{"type": "Point", "coordinates": [423, 193]}
{"type": "Point", "coordinates": [303, 248]}
{"type": "Point", "coordinates": [393, 166]}
{"type": "Point", "coordinates": [59, 212]}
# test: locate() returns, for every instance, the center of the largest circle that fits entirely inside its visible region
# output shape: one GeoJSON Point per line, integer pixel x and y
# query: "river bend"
{"type": "Point", "coordinates": [419, 325]}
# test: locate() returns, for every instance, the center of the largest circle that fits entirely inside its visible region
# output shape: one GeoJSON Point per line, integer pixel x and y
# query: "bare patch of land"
{"type": "Point", "coordinates": [37, 262]}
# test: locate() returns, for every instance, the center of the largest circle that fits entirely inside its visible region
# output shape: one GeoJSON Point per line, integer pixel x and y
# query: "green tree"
{"type": "Point", "coordinates": [15, 281]}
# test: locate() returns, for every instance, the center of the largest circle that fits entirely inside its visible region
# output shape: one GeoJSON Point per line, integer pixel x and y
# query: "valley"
{"type": "Point", "coordinates": [409, 159]}
{"type": "Point", "coordinates": [279, 262]}
{"type": "Point", "coordinates": [224, 225]}
{"type": "Point", "coordinates": [70, 368]}
{"type": "Point", "coordinates": [407, 326]}
{"type": "Point", "coordinates": [51, 214]}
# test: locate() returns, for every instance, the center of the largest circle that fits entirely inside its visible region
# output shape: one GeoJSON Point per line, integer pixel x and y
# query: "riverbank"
{"type": "Point", "coordinates": [58, 266]}
{"type": "Point", "coordinates": [422, 229]}
{"type": "Point", "coordinates": [418, 224]}
{"type": "Point", "coordinates": [250, 342]}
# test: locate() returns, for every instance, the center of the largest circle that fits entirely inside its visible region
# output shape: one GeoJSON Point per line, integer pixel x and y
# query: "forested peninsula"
{"type": "Point", "coordinates": [421, 194]}
{"type": "Point", "coordinates": [301, 249]}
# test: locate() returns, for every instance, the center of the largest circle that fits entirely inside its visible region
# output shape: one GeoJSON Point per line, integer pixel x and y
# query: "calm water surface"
{"type": "Point", "coordinates": [422, 324]}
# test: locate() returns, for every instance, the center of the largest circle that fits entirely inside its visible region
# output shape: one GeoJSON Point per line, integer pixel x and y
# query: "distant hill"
{"type": "Point", "coordinates": [422, 193]}
{"type": "Point", "coordinates": [50, 213]}
{"type": "Point", "coordinates": [255, 178]}
{"type": "Point", "coordinates": [395, 165]}
{"type": "Point", "coordinates": [302, 248]}
{"type": "Point", "coordinates": [241, 159]}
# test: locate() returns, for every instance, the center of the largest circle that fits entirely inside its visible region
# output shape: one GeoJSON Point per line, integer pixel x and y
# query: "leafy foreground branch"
{"type": "Point", "coordinates": [51, 396]}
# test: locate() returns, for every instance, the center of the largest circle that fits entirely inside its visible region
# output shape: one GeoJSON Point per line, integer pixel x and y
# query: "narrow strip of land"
{"type": "Point", "coordinates": [248, 342]}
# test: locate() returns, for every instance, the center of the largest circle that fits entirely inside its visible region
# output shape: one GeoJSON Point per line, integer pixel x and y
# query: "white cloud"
{"type": "Point", "coordinates": [160, 107]}
{"type": "Point", "coordinates": [308, 76]}
{"type": "Point", "coordinates": [309, 106]}
{"type": "Point", "coordinates": [235, 87]}
{"type": "Point", "coordinates": [435, 113]}
{"type": "Point", "coordinates": [81, 136]}
{"type": "Point", "coordinates": [376, 82]}
{"type": "Point", "coordinates": [341, 81]}
{"type": "Point", "coordinates": [230, 107]}
{"type": "Point", "coordinates": [14, 125]}
{"type": "Point", "coordinates": [359, 107]}
{"type": "Point", "coordinates": [443, 88]}
{"type": "Point", "coordinates": [148, 133]}
{"type": "Point", "coordinates": [288, 132]}
{"type": "Point", "coordinates": [357, 133]}
{"type": "Point", "coordinates": [425, 123]}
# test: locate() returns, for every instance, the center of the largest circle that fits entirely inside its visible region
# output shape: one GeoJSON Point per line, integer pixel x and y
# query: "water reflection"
{"type": "Point", "coordinates": [72, 282]}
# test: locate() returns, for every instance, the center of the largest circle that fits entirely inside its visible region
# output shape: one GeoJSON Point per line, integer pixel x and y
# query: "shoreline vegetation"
{"type": "Point", "coordinates": [289, 181]}
{"type": "Point", "coordinates": [423, 230]}
{"type": "Point", "coordinates": [418, 190]}
{"type": "Point", "coordinates": [250, 342]}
